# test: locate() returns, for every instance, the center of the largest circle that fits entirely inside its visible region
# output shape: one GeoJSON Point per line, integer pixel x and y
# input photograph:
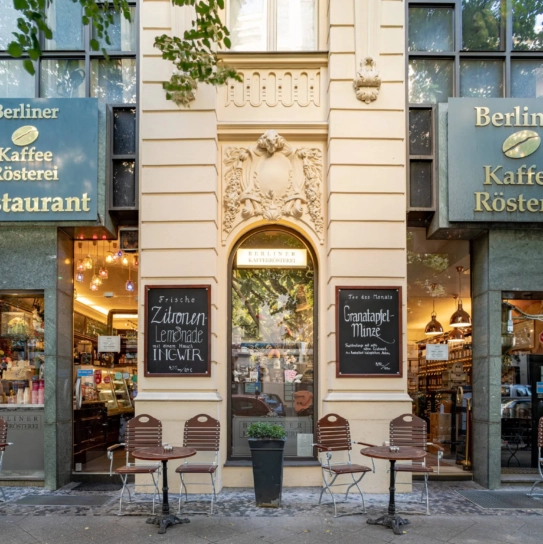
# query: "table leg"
{"type": "Point", "coordinates": [165, 519]}
{"type": "Point", "coordinates": [391, 520]}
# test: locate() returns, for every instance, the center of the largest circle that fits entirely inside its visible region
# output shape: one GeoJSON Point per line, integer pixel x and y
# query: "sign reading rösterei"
{"type": "Point", "coordinates": [495, 159]}
{"type": "Point", "coordinates": [48, 159]}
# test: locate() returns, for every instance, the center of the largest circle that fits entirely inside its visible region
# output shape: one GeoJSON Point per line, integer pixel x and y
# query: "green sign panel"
{"type": "Point", "coordinates": [48, 159]}
{"type": "Point", "coordinates": [495, 160]}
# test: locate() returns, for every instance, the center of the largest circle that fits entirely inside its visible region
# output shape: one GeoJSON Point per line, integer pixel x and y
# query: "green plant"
{"type": "Point", "coordinates": [266, 431]}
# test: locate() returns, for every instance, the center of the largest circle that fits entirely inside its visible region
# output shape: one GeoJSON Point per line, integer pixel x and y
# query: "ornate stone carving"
{"type": "Point", "coordinates": [367, 82]}
{"type": "Point", "coordinates": [273, 180]}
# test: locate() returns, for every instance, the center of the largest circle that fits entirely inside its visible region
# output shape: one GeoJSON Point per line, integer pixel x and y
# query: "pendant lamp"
{"type": "Point", "coordinates": [433, 327]}
{"type": "Point", "coordinates": [460, 318]}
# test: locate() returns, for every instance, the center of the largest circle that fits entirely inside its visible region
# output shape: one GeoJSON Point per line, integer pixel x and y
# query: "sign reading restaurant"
{"type": "Point", "coordinates": [48, 159]}
{"type": "Point", "coordinates": [495, 159]}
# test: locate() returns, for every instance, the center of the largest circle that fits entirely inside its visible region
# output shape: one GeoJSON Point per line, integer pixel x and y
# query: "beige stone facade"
{"type": "Point", "coordinates": [356, 227]}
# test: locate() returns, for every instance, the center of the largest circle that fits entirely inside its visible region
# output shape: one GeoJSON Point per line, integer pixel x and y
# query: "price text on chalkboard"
{"type": "Point", "coordinates": [177, 330]}
{"type": "Point", "coordinates": [368, 332]}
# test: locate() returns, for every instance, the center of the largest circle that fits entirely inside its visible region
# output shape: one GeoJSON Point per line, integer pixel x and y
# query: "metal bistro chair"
{"type": "Point", "coordinates": [3, 444]}
{"type": "Point", "coordinates": [410, 430]}
{"type": "Point", "coordinates": [202, 433]}
{"type": "Point", "coordinates": [333, 436]}
{"type": "Point", "coordinates": [539, 457]}
{"type": "Point", "coordinates": [143, 431]}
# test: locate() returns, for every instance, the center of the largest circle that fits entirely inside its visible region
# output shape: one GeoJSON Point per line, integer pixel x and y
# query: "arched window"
{"type": "Point", "coordinates": [272, 323]}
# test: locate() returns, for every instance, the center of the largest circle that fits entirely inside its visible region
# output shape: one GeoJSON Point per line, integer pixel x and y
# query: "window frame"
{"type": "Point", "coordinates": [316, 375]}
{"type": "Point", "coordinates": [86, 54]}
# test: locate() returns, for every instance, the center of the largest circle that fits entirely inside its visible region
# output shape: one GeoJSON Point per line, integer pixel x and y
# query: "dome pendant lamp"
{"type": "Point", "coordinates": [460, 318]}
{"type": "Point", "coordinates": [433, 328]}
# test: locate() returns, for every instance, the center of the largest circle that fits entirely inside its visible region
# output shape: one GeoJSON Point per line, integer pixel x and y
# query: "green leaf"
{"type": "Point", "coordinates": [14, 49]}
{"type": "Point", "coordinates": [95, 45]}
{"type": "Point", "coordinates": [227, 42]}
{"type": "Point", "coordinates": [29, 67]}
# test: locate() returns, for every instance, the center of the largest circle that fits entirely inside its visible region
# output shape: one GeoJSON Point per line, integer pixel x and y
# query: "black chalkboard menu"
{"type": "Point", "coordinates": [177, 330]}
{"type": "Point", "coordinates": [368, 332]}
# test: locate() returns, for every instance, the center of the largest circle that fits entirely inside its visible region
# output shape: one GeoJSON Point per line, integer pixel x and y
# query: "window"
{"type": "Point", "coordinates": [466, 48]}
{"type": "Point", "coordinates": [272, 334]}
{"type": "Point", "coordinates": [69, 68]}
{"type": "Point", "coordinates": [273, 25]}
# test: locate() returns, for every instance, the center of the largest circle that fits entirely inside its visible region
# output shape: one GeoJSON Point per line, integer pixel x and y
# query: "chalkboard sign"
{"type": "Point", "coordinates": [368, 332]}
{"type": "Point", "coordinates": [177, 330]}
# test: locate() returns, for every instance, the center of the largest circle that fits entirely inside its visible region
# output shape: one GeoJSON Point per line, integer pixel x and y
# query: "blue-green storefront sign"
{"type": "Point", "coordinates": [48, 159]}
{"type": "Point", "coordinates": [495, 160]}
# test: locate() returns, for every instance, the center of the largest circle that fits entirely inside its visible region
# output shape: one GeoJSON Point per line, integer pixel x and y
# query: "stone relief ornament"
{"type": "Point", "coordinates": [273, 180]}
{"type": "Point", "coordinates": [367, 82]}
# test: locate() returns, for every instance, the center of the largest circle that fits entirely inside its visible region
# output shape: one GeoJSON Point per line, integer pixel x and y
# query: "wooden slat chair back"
{"type": "Point", "coordinates": [333, 435]}
{"type": "Point", "coordinates": [202, 433]}
{"type": "Point", "coordinates": [539, 457]}
{"type": "Point", "coordinates": [410, 430]}
{"type": "Point", "coordinates": [143, 431]}
{"type": "Point", "coordinates": [3, 445]}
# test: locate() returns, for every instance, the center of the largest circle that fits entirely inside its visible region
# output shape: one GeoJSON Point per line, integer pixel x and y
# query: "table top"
{"type": "Point", "coordinates": [158, 453]}
{"type": "Point", "coordinates": [383, 452]}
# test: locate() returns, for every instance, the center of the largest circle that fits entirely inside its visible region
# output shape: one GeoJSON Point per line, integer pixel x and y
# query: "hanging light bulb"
{"type": "Point", "coordinates": [135, 260]}
{"type": "Point", "coordinates": [103, 273]}
{"type": "Point", "coordinates": [124, 260]}
{"type": "Point", "coordinates": [96, 280]}
{"type": "Point", "coordinates": [456, 336]}
{"type": "Point", "coordinates": [109, 255]}
{"type": "Point", "coordinates": [79, 277]}
{"type": "Point", "coordinates": [129, 283]}
{"type": "Point", "coordinates": [119, 254]}
{"type": "Point", "coordinates": [460, 318]}
{"type": "Point", "coordinates": [87, 262]}
{"type": "Point", "coordinates": [80, 266]}
{"type": "Point", "coordinates": [115, 253]}
{"type": "Point", "coordinates": [93, 287]}
{"type": "Point", "coordinates": [433, 327]}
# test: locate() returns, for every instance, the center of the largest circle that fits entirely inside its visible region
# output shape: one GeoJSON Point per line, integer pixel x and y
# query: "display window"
{"type": "Point", "coordinates": [273, 360]}
{"type": "Point", "coordinates": [22, 382]}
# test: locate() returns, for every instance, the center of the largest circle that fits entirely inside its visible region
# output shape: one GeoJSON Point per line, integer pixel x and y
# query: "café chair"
{"type": "Point", "coordinates": [142, 431]}
{"type": "Point", "coordinates": [334, 440]}
{"type": "Point", "coordinates": [539, 457]}
{"type": "Point", "coordinates": [410, 430]}
{"type": "Point", "coordinates": [203, 434]}
{"type": "Point", "coordinates": [3, 445]}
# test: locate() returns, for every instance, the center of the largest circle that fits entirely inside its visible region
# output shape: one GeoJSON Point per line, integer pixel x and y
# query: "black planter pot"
{"type": "Point", "coordinates": [267, 471]}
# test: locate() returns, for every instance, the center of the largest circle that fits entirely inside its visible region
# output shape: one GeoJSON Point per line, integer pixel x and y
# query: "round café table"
{"type": "Point", "coordinates": [158, 454]}
{"type": "Point", "coordinates": [405, 453]}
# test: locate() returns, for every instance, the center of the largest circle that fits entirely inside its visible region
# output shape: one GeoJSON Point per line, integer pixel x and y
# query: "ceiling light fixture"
{"type": "Point", "coordinates": [433, 327]}
{"type": "Point", "coordinates": [460, 318]}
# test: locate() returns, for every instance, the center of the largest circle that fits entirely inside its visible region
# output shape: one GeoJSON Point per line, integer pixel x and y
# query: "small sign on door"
{"type": "Point", "coordinates": [109, 344]}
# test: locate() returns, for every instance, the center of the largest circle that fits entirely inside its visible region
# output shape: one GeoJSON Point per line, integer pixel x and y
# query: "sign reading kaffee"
{"type": "Point", "coordinates": [48, 159]}
{"type": "Point", "coordinates": [495, 160]}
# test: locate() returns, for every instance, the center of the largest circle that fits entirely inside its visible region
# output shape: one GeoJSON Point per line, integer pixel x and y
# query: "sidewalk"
{"type": "Point", "coordinates": [454, 519]}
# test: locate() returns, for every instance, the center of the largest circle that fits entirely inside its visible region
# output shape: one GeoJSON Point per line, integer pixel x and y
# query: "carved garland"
{"type": "Point", "coordinates": [292, 179]}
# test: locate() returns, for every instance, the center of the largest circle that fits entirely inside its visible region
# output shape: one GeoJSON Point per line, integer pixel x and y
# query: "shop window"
{"type": "Point", "coordinates": [273, 25]}
{"type": "Point", "coordinates": [15, 81]}
{"type": "Point", "coordinates": [481, 78]}
{"type": "Point", "coordinates": [64, 17]}
{"type": "Point", "coordinates": [273, 360]}
{"type": "Point", "coordinates": [62, 78]}
{"type": "Point", "coordinates": [122, 34]}
{"type": "Point", "coordinates": [114, 80]}
{"type": "Point", "coordinates": [482, 25]}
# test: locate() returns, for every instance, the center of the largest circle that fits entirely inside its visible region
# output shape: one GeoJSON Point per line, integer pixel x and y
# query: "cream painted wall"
{"type": "Point", "coordinates": [181, 213]}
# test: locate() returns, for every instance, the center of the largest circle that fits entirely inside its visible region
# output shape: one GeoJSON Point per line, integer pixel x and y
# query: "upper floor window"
{"type": "Point", "coordinates": [475, 48]}
{"type": "Point", "coordinates": [68, 67]}
{"type": "Point", "coordinates": [273, 25]}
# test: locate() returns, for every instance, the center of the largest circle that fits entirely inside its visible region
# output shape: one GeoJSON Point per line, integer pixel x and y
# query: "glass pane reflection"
{"type": "Point", "coordinates": [481, 78]}
{"type": "Point", "coordinates": [296, 25]}
{"type": "Point", "coordinates": [15, 81]}
{"type": "Point", "coordinates": [430, 81]}
{"type": "Point", "coordinates": [527, 26]}
{"type": "Point", "coordinates": [122, 34]}
{"type": "Point", "coordinates": [62, 78]}
{"type": "Point", "coordinates": [248, 22]}
{"type": "Point", "coordinates": [8, 22]}
{"type": "Point", "coordinates": [527, 79]}
{"type": "Point", "coordinates": [431, 29]}
{"type": "Point", "coordinates": [114, 81]}
{"type": "Point", "coordinates": [64, 19]}
{"type": "Point", "coordinates": [481, 25]}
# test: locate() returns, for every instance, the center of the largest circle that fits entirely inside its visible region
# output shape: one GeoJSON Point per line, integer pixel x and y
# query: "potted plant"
{"type": "Point", "coordinates": [267, 443]}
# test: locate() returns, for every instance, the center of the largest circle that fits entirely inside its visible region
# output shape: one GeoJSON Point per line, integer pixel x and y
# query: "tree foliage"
{"type": "Point", "coordinates": [194, 56]}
